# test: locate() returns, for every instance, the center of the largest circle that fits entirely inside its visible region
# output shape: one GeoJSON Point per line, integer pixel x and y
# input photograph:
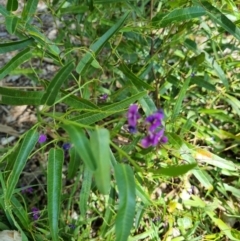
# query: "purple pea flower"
{"type": "Point", "coordinates": [27, 190]}
{"type": "Point", "coordinates": [66, 146]}
{"type": "Point", "coordinates": [72, 226]}
{"type": "Point", "coordinates": [133, 117]}
{"type": "Point", "coordinates": [103, 97]}
{"type": "Point", "coordinates": [155, 120]}
{"type": "Point", "coordinates": [42, 138]}
{"type": "Point", "coordinates": [153, 138]}
{"type": "Point", "coordinates": [35, 213]}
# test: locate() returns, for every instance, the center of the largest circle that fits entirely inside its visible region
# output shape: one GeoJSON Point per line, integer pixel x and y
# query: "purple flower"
{"type": "Point", "coordinates": [66, 146]}
{"type": "Point", "coordinates": [103, 97]}
{"type": "Point", "coordinates": [153, 138]}
{"type": "Point", "coordinates": [27, 190]}
{"type": "Point", "coordinates": [133, 117]}
{"type": "Point", "coordinates": [155, 120]}
{"type": "Point", "coordinates": [35, 213]}
{"type": "Point", "coordinates": [42, 138]}
{"type": "Point", "coordinates": [72, 226]}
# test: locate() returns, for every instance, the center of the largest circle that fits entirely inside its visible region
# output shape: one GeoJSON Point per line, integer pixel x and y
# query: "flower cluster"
{"type": "Point", "coordinates": [154, 122]}
{"type": "Point", "coordinates": [133, 117]}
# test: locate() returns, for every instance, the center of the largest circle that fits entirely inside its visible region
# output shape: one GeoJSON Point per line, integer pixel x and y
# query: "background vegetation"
{"type": "Point", "coordinates": [178, 56]}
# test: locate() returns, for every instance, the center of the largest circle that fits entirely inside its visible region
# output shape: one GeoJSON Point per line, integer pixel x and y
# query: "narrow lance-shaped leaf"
{"type": "Point", "coordinates": [54, 189]}
{"type": "Point", "coordinates": [11, 46]}
{"type": "Point", "coordinates": [4, 12]}
{"type": "Point", "coordinates": [97, 46]}
{"type": "Point", "coordinates": [108, 215]}
{"type": "Point", "coordinates": [100, 140]}
{"type": "Point", "coordinates": [178, 15]}
{"type": "Point", "coordinates": [173, 171]}
{"type": "Point", "coordinates": [221, 19]}
{"type": "Point", "coordinates": [125, 214]}
{"type": "Point", "coordinates": [74, 163]}
{"type": "Point", "coordinates": [139, 83]}
{"type": "Point", "coordinates": [27, 146]}
{"type": "Point", "coordinates": [85, 190]}
{"type": "Point", "coordinates": [82, 145]}
{"type": "Point", "coordinates": [11, 24]}
{"type": "Point", "coordinates": [92, 117]}
{"type": "Point", "coordinates": [29, 10]}
{"type": "Point", "coordinates": [19, 97]}
{"type": "Point", "coordinates": [55, 84]}
{"type": "Point", "coordinates": [15, 62]}
{"type": "Point", "coordinates": [12, 5]}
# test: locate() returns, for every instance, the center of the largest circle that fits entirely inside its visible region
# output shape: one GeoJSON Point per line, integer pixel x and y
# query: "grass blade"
{"type": "Point", "coordinates": [181, 96]}
{"type": "Point", "coordinates": [26, 148]}
{"type": "Point", "coordinates": [126, 187]}
{"type": "Point", "coordinates": [54, 189]}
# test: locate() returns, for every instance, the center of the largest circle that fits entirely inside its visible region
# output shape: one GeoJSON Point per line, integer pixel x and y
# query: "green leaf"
{"type": "Point", "coordinates": [11, 46]}
{"type": "Point", "coordinates": [15, 62]}
{"type": "Point", "coordinates": [100, 140]}
{"type": "Point", "coordinates": [74, 10]}
{"type": "Point", "coordinates": [226, 229]}
{"type": "Point", "coordinates": [108, 1]}
{"type": "Point", "coordinates": [11, 24]}
{"type": "Point", "coordinates": [85, 191]}
{"type": "Point", "coordinates": [136, 80]}
{"type": "Point", "coordinates": [234, 102]}
{"type": "Point", "coordinates": [77, 102]}
{"type": "Point", "coordinates": [29, 10]}
{"type": "Point", "coordinates": [12, 5]}
{"type": "Point", "coordinates": [127, 203]}
{"type": "Point", "coordinates": [217, 17]}
{"type": "Point", "coordinates": [26, 148]}
{"type": "Point", "coordinates": [43, 41]}
{"type": "Point", "coordinates": [20, 212]}
{"type": "Point", "coordinates": [18, 97]}
{"type": "Point", "coordinates": [74, 163]}
{"type": "Point", "coordinates": [173, 171]}
{"type": "Point", "coordinates": [108, 213]}
{"type": "Point", "coordinates": [203, 83]}
{"type": "Point", "coordinates": [178, 15]}
{"type": "Point", "coordinates": [181, 96]}
{"type": "Point", "coordinates": [54, 189]}
{"type": "Point", "coordinates": [205, 156]}
{"type": "Point", "coordinates": [92, 117]}
{"type": "Point", "coordinates": [97, 46]}
{"type": "Point", "coordinates": [55, 84]}
{"type": "Point", "coordinates": [82, 145]}
{"type": "Point", "coordinates": [4, 12]}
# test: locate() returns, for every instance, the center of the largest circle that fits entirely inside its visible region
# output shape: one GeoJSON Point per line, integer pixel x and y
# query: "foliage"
{"type": "Point", "coordinates": [178, 56]}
